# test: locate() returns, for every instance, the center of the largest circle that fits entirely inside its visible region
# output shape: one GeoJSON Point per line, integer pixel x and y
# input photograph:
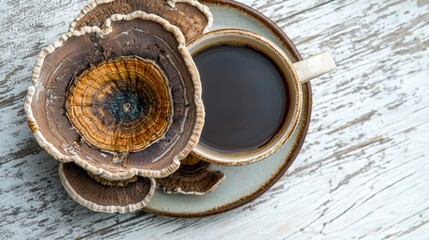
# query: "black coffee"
{"type": "Point", "coordinates": [245, 97]}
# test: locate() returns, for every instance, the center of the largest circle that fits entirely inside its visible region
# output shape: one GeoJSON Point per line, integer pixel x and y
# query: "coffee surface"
{"type": "Point", "coordinates": [245, 97]}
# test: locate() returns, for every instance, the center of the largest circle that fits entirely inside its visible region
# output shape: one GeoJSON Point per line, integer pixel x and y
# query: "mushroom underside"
{"type": "Point", "coordinates": [191, 17]}
{"type": "Point", "coordinates": [126, 197]}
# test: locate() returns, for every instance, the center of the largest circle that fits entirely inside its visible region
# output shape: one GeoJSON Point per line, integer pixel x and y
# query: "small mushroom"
{"type": "Point", "coordinates": [101, 195]}
{"type": "Point", "coordinates": [120, 101]}
{"type": "Point", "coordinates": [191, 17]}
{"type": "Point", "coordinates": [192, 178]}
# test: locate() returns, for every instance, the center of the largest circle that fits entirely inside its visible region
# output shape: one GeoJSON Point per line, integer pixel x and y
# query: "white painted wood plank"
{"type": "Point", "coordinates": [363, 171]}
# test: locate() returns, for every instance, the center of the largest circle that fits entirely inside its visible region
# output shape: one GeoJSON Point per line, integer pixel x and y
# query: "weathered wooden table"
{"type": "Point", "coordinates": [363, 172]}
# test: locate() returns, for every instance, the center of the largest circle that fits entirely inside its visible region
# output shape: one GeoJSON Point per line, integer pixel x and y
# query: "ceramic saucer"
{"type": "Point", "coordinates": [245, 183]}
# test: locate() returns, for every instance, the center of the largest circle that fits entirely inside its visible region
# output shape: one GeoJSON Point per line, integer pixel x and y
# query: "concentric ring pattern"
{"type": "Point", "coordinates": [120, 105]}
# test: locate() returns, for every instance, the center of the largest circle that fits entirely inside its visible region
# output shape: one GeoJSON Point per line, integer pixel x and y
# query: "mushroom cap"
{"type": "Point", "coordinates": [123, 40]}
{"type": "Point", "coordinates": [191, 17]}
{"type": "Point", "coordinates": [107, 196]}
{"type": "Point", "coordinates": [192, 178]}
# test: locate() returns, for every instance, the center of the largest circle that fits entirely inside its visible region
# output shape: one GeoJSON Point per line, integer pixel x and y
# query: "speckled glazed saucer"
{"type": "Point", "coordinates": [245, 183]}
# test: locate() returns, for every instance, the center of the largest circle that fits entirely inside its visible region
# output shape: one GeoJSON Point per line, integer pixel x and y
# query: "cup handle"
{"type": "Point", "coordinates": [314, 66]}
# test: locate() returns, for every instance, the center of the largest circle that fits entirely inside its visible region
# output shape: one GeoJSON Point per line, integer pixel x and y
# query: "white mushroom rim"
{"type": "Point", "coordinates": [105, 30]}
{"type": "Point", "coordinates": [172, 3]}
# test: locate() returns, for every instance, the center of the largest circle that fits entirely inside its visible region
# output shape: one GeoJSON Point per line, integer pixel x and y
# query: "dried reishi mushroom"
{"type": "Point", "coordinates": [192, 178]}
{"type": "Point", "coordinates": [120, 105]}
{"type": "Point", "coordinates": [191, 17]}
{"type": "Point", "coordinates": [62, 76]}
{"type": "Point", "coordinates": [98, 196]}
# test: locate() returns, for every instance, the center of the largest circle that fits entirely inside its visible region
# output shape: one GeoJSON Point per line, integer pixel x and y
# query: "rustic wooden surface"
{"type": "Point", "coordinates": [363, 172]}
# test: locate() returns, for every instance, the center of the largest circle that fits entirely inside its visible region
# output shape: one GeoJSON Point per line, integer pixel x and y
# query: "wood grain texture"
{"type": "Point", "coordinates": [362, 173]}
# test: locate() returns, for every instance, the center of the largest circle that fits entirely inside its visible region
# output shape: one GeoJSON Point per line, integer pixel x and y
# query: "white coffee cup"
{"type": "Point", "coordinates": [295, 74]}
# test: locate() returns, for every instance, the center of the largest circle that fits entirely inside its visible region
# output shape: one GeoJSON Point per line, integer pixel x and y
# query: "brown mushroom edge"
{"type": "Point", "coordinates": [192, 178]}
{"type": "Point", "coordinates": [190, 16]}
{"type": "Point", "coordinates": [108, 197]}
{"type": "Point", "coordinates": [148, 37]}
